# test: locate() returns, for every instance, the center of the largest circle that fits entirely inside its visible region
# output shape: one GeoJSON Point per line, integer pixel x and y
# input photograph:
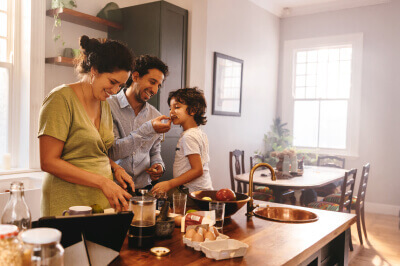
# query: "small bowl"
{"type": "Point", "coordinates": [164, 229]}
{"type": "Point", "coordinates": [231, 207]}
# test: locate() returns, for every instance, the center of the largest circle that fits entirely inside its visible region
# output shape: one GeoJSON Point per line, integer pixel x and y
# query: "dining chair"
{"type": "Point", "coordinates": [330, 161]}
{"type": "Point", "coordinates": [357, 202]}
{"type": "Point", "coordinates": [236, 168]}
{"type": "Point", "coordinates": [362, 189]}
{"type": "Point", "coordinates": [344, 202]}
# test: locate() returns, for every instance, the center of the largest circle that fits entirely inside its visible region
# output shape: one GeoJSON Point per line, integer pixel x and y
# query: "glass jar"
{"type": "Point", "coordinates": [16, 210]}
{"type": "Point", "coordinates": [10, 246]}
{"type": "Point", "coordinates": [42, 247]}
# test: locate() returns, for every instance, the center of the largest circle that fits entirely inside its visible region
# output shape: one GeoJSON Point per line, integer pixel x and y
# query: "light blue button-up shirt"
{"type": "Point", "coordinates": [137, 146]}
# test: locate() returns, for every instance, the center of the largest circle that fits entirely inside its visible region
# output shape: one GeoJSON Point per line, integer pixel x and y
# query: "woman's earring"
{"type": "Point", "coordinates": [91, 79]}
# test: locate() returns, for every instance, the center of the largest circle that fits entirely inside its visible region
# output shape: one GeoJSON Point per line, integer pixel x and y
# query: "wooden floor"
{"type": "Point", "coordinates": [384, 241]}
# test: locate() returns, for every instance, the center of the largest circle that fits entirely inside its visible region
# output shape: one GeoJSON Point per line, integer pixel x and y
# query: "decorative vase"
{"type": "Point", "coordinates": [279, 164]}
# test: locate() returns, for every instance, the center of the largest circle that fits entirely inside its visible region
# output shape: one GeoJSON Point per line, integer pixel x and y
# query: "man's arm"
{"type": "Point", "coordinates": [124, 147]}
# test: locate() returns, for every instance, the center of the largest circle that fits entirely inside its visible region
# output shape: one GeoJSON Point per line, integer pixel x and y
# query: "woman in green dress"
{"type": "Point", "coordinates": [76, 131]}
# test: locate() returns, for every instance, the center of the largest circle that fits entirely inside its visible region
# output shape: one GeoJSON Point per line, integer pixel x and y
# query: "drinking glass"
{"type": "Point", "coordinates": [219, 208]}
{"type": "Point", "coordinates": [179, 203]}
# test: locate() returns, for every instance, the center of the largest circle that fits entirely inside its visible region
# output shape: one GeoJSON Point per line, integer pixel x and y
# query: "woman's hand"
{"type": "Point", "coordinates": [161, 187]}
{"type": "Point", "coordinates": [116, 196]}
{"type": "Point", "coordinates": [123, 177]}
{"type": "Point", "coordinates": [155, 171]}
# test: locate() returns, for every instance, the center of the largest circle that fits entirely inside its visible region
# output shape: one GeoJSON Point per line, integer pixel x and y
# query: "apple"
{"type": "Point", "coordinates": [225, 194]}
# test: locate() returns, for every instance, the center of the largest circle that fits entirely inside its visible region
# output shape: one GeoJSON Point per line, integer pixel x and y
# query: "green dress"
{"type": "Point", "coordinates": [63, 117]}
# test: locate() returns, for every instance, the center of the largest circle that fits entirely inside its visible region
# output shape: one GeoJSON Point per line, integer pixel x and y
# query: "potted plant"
{"type": "Point", "coordinates": [60, 4]}
{"type": "Point", "coordinates": [276, 140]}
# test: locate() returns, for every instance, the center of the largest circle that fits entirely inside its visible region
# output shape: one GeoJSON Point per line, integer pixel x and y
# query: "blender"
{"type": "Point", "coordinates": [142, 229]}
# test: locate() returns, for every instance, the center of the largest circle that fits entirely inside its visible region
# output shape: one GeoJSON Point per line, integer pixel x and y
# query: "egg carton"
{"type": "Point", "coordinates": [196, 245]}
{"type": "Point", "coordinates": [224, 249]}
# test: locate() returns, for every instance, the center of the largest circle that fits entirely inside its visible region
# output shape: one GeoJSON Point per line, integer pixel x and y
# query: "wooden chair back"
{"type": "Point", "coordinates": [362, 189]}
{"type": "Point", "coordinates": [236, 168]}
{"type": "Point", "coordinates": [255, 159]}
{"type": "Point", "coordinates": [347, 190]}
{"type": "Point", "coordinates": [331, 161]}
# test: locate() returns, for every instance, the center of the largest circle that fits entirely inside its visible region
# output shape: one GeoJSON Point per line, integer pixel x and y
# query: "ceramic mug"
{"type": "Point", "coordinates": [78, 210]}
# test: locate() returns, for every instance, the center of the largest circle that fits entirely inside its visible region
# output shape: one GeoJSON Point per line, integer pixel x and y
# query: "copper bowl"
{"type": "Point", "coordinates": [286, 215]}
{"type": "Point", "coordinates": [231, 207]}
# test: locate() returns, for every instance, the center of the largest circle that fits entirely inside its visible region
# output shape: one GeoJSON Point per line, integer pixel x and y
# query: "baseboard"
{"type": "Point", "coordinates": [382, 208]}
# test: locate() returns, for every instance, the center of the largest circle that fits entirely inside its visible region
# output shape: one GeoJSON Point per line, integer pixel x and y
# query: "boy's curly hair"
{"type": "Point", "coordinates": [194, 99]}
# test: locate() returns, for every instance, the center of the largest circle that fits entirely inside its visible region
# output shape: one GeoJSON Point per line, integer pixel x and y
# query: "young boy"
{"type": "Point", "coordinates": [190, 168]}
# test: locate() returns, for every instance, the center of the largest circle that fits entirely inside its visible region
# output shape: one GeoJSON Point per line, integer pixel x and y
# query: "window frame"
{"type": "Point", "coordinates": [354, 101]}
{"type": "Point", "coordinates": [27, 63]}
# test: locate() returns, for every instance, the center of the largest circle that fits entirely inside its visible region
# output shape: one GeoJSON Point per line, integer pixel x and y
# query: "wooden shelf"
{"type": "Point", "coordinates": [83, 19]}
{"type": "Point", "coordinates": [61, 61]}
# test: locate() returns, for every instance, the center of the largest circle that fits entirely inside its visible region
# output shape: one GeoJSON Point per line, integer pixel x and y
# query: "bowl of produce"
{"type": "Point", "coordinates": [233, 201]}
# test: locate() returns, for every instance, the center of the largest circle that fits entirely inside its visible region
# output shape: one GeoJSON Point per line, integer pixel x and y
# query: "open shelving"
{"type": "Point", "coordinates": [82, 19]}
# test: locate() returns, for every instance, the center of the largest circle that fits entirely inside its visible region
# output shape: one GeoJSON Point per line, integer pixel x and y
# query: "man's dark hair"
{"type": "Point", "coordinates": [194, 99]}
{"type": "Point", "coordinates": [142, 64]}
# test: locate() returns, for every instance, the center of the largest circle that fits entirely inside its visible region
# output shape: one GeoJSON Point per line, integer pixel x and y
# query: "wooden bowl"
{"type": "Point", "coordinates": [231, 207]}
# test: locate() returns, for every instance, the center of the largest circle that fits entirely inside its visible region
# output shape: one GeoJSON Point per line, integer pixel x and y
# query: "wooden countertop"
{"type": "Point", "coordinates": [270, 243]}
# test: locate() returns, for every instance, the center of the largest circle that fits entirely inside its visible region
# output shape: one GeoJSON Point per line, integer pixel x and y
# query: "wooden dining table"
{"type": "Point", "coordinates": [312, 177]}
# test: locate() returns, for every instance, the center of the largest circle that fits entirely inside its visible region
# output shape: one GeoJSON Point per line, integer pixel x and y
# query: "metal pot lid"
{"type": "Point", "coordinates": [143, 200]}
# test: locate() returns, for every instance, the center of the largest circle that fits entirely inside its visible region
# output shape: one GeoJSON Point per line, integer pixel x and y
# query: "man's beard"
{"type": "Point", "coordinates": [137, 96]}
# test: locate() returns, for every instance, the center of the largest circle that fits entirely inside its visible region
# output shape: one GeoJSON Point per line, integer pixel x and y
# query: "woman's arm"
{"type": "Point", "coordinates": [51, 162]}
{"type": "Point", "coordinates": [121, 175]}
{"type": "Point", "coordinates": [195, 172]}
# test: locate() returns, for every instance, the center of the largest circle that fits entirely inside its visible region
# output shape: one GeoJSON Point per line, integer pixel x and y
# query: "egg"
{"type": "Point", "coordinates": [209, 235]}
{"type": "Point", "coordinates": [197, 237]}
{"type": "Point", "coordinates": [178, 220]}
{"type": "Point", "coordinates": [190, 233]}
{"type": "Point", "coordinates": [214, 230]}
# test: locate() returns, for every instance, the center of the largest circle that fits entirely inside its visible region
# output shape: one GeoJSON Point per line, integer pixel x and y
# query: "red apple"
{"type": "Point", "coordinates": [225, 194]}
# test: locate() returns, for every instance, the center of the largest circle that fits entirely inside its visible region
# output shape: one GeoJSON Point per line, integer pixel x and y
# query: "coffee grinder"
{"type": "Point", "coordinates": [142, 229]}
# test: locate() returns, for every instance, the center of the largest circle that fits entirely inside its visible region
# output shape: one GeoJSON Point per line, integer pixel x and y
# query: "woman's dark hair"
{"type": "Point", "coordinates": [103, 55]}
{"type": "Point", "coordinates": [194, 99]}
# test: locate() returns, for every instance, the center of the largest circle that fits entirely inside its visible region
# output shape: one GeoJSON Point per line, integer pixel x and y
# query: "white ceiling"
{"type": "Point", "coordinates": [290, 8]}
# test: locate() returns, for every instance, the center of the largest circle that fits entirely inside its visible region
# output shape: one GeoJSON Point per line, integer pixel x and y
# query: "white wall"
{"type": "Point", "coordinates": [241, 29]}
{"type": "Point", "coordinates": [380, 119]}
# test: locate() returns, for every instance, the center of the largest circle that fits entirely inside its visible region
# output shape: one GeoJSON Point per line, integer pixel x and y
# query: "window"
{"type": "Point", "coordinates": [22, 48]}
{"type": "Point", "coordinates": [6, 66]}
{"type": "Point", "coordinates": [322, 99]}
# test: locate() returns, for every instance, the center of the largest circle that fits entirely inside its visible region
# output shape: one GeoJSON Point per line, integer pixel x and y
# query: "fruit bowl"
{"type": "Point", "coordinates": [231, 207]}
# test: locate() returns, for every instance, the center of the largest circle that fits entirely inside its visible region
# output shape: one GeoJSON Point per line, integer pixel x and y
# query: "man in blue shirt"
{"type": "Point", "coordinates": [138, 126]}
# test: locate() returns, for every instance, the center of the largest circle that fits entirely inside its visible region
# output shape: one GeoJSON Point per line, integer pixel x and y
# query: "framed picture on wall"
{"type": "Point", "coordinates": [227, 85]}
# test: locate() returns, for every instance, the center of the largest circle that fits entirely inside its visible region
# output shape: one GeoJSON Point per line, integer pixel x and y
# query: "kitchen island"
{"type": "Point", "coordinates": [323, 242]}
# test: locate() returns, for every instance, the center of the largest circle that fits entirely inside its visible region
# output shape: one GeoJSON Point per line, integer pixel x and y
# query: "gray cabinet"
{"type": "Point", "coordinates": [160, 29]}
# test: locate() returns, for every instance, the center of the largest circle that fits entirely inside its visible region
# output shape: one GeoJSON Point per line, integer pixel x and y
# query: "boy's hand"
{"type": "Point", "coordinates": [155, 171]}
{"type": "Point", "coordinates": [159, 126]}
{"type": "Point", "coordinates": [161, 187]}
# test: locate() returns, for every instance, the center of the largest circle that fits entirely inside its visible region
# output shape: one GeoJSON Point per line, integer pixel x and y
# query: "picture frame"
{"type": "Point", "coordinates": [227, 85]}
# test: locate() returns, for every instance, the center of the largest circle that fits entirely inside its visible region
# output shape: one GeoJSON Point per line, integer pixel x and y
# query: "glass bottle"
{"type": "Point", "coordinates": [10, 246]}
{"type": "Point", "coordinates": [16, 211]}
{"type": "Point", "coordinates": [286, 164]}
{"type": "Point", "coordinates": [42, 247]}
{"type": "Point", "coordinates": [293, 164]}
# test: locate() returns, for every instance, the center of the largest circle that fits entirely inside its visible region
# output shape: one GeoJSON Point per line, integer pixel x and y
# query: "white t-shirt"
{"type": "Point", "coordinates": [193, 141]}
